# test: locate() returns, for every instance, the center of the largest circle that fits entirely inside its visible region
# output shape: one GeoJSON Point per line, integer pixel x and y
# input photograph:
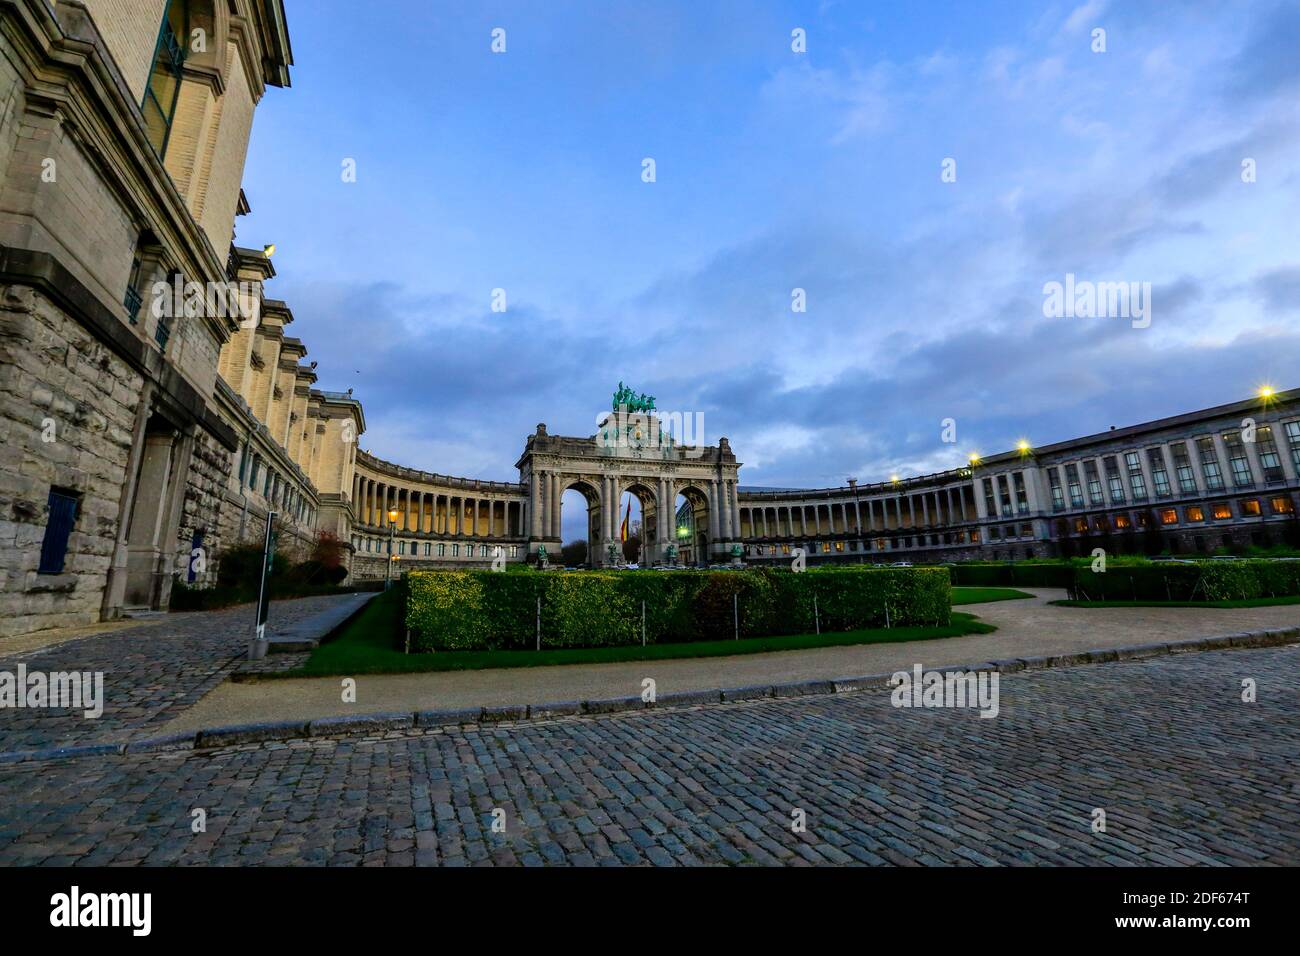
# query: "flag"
{"type": "Point", "coordinates": [627, 518]}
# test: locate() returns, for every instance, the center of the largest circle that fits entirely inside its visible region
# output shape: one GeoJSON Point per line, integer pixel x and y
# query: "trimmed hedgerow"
{"type": "Point", "coordinates": [1021, 574]}
{"type": "Point", "coordinates": [482, 610]}
{"type": "Point", "coordinates": [1192, 581]}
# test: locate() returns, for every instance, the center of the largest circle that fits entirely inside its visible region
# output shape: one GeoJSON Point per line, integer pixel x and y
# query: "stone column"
{"type": "Point", "coordinates": [557, 528]}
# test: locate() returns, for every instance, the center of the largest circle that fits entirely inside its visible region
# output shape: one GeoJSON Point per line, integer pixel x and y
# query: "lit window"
{"type": "Point", "coordinates": [1250, 508]}
{"type": "Point", "coordinates": [1195, 513]}
{"type": "Point", "coordinates": [1169, 516]}
{"type": "Point", "coordinates": [1281, 505]}
{"type": "Point", "coordinates": [1122, 522]}
{"type": "Point", "coordinates": [1221, 510]}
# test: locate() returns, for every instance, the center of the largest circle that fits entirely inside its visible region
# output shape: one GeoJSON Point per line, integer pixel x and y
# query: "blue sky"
{"type": "Point", "coordinates": [778, 170]}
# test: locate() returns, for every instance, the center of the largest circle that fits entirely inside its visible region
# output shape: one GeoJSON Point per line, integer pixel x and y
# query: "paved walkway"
{"type": "Point", "coordinates": [1185, 771]}
{"type": "Point", "coordinates": [1025, 628]}
{"type": "Point", "coordinates": [152, 672]}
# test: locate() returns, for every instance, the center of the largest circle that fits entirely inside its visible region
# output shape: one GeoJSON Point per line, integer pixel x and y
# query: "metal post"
{"type": "Point", "coordinates": [886, 615]}
{"type": "Point", "coordinates": [258, 646]}
{"type": "Point", "coordinates": [539, 622]}
{"type": "Point", "coordinates": [735, 613]}
{"type": "Point", "coordinates": [817, 615]}
{"type": "Point", "coordinates": [643, 623]}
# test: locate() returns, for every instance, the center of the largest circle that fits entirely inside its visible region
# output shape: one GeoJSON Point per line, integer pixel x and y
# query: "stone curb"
{"type": "Point", "coordinates": [214, 738]}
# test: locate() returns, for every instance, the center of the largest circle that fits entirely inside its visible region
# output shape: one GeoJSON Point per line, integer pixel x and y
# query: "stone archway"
{"type": "Point", "coordinates": [650, 510]}
{"type": "Point", "coordinates": [595, 510]}
{"type": "Point", "coordinates": [551, 464]}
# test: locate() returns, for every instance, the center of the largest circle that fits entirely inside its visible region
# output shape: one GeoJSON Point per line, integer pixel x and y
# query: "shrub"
{"type": "Point", "coordinates": [461, 610]}
{"type": "Point", "coordinates": [240, 566]}
{"type": "Point", "coordinates": [1194, 581]}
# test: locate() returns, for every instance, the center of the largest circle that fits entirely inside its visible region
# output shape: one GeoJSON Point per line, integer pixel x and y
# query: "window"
{"type": "Point", "coordinates": [159, 105]}
{"type": "Point", "coordinates": [1195, 513]}
{"type": "Point", "coordinates": [1269, 460]}
{"type": "Point", "coordinates": [1250, 508]}
{"type": "Point", "coordinates": [62, 516]}
{"type": "Point", "coordinates": [1281, 505]}
{"type": "Point", "coordinates": [1058, 494]}
{"type": "Point", "coordinates": [1076, 490]}
{"type": "Point", "coordinates": [1022, 494]}
{"type": "Point", "coordinates": [1094, 483]}
{"type": "Point", "coordinates": [1122, 523]}
{"type": "Point", "coordinates": [1183, 467]}
{"type": "Point", "coordinates": [1210, 464]}
{"type": "Point", "coordinates": [1237, 461]}
{"type": "Point", "coordinates": [1293, 440]}
{"type": "Point", "coordinates": [1080, 525]}
{"type": "Point", "coordinates": [442, 550]}
{"type": "Point", "coordinates": [1221, 510]}
{"type": "Point", "coordinates": [133, 299]}
{"type": "Point", "coordinates": [1136, 481]}
{"type": "Point", "coordinates": [1169, 516]}
{"type": "Point", "coordinates": [990, 506]}
{"type": "Point", "coordinates": [455, 551]}
{"type": "Point", "coordinates": [1159, 477]}
{"type": "Point", "coordinates": [1113, 480]}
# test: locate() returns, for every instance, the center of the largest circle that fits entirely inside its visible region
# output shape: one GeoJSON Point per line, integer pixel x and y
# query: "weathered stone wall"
{"type": "Point", "coordinates": [57, 380]}
{"type": "Point", "coordinates": [210, 468]}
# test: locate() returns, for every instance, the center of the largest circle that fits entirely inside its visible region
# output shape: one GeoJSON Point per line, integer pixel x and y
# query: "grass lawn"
{"type": "Point", "coordinates": [366, 646]}
{"type": "Point", "coordinates": [982, 595]}
{"type": "Point", "coordinates": [1248, 602]}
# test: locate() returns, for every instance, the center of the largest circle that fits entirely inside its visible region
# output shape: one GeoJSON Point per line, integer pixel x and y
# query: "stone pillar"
{"type": "Point", "coordinates": [557, 529]}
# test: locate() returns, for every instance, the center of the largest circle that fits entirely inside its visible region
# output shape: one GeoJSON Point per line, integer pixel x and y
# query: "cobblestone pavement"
{"type": "Point", "coordinates": [151, 673]}
{"type": "Point", "coordinates": [1185, 771]}
{"type": "Point", "coordinates": [1026, 628]}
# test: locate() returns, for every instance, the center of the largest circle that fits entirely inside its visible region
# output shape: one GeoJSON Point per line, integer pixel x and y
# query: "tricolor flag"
{"type": "Point", "coordinates": [627, 518]}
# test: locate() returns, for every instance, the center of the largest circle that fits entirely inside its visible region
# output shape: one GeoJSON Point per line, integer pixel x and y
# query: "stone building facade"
{"type": "Point", "coordinates": [1219, 479]}
{"type": "Point", "coordinates": [124, 126]}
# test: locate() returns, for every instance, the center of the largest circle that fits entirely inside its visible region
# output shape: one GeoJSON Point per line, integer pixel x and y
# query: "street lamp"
{"type": "Point", "coordinates": [388, 565]}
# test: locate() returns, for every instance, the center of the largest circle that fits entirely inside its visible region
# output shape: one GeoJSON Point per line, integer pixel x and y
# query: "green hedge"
{"type": "Point", "coordinates": [1024, 574]}
{"type": "Point", "coordinates": [482, 610]}
{"type": "Point", "coordinates": [1195, 581]}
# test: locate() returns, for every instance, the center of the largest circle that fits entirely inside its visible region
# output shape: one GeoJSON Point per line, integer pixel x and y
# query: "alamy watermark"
{"type": "Point", "coordinates": [241, 301]}
{"type": "Point", "coordinates": [74, 690]}
{"type": "Point", "coordinates": [931, 689]}
{"type": "Point", "coordinates": [623, 429]}
{"type": "Point", "coordinates": [1084, 299]}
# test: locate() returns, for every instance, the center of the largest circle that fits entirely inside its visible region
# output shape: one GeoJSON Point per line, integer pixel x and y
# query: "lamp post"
{"type": "Point", "coordinates": [388, 565]}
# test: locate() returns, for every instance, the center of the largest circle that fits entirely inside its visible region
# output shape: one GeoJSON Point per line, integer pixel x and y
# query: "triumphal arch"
{"type": "Point", "coordinates": [642, 451]}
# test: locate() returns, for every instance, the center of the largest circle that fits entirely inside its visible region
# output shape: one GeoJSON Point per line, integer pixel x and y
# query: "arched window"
{"type": "Point", "coordinates": [160, 95]}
